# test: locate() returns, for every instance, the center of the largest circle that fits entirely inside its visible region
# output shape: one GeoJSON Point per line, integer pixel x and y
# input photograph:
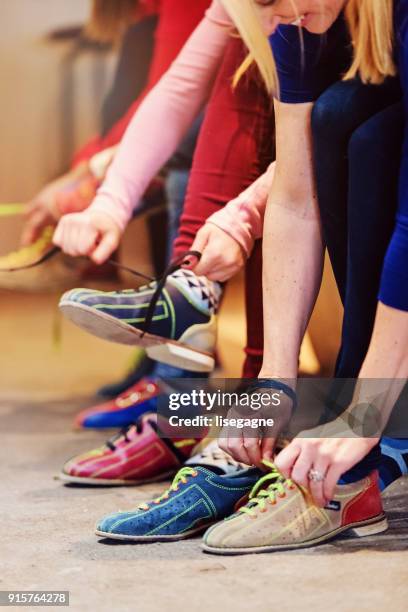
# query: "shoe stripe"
{"type": "Point", "coordinates": [185, 511]}
{"type": "Point", "coordinates": [220, 486]}
{"type": "Point", "coordinates": [248, 525]}
{"type": "Point", "coordinates": [91, 457]}
{"type": "Point", "coordinates": [120, 461]}
{"type": "Point", "coordinates": [131, 515]}
{"type": "Point", "coordinates": [153, 461]}
{"type": "Point", "coordinates": [104, 301]}
{"type": "Point", "coordinates": [163, 503]}
{"type": "Point", "coordinates": [157, 317]}
{"type": "Point", "coordinates": [172, 313]}
{"type": "Point", "coordinates": [106, 294]}
{"type": "Point", "coordinates": [205, 494]}
{"type": "Point", "coordinates": [323, 518]}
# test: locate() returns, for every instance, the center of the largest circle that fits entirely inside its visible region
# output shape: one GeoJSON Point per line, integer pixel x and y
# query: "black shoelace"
{"type": "Point", "coordinates": [174, 265]}
{"type": "Point", "coordinates": [123, 433]}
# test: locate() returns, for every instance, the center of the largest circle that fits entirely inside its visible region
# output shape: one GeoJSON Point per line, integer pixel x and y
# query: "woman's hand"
{"type": "Point", "coordinates": [222, 256]}
{"type": "Point", "coordinates": [43, 210]}
{"type": "Point", "coordinates": [329, 457]}
{"type": "Point", "coordinates": [254, 445]}
{"type": "Point", "coordinates": [248, 446]}
{"type": "Point", "coordinates": [92, 234]}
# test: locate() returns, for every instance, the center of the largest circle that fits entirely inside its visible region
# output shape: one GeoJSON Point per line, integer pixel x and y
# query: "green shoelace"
{"type": "Point", "coordinates": [266, 490]}
{"type": "Point", "coordinates": [11, 210]}
{"type": "Point", "coordinates": [181, 477]}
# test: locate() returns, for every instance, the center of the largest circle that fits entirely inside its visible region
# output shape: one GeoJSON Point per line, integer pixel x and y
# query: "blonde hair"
{"type": "Point", "coordinates": [371, 27]}
{"type": "Point", "coordinates": [245, 18]}
{"type": "Point", "coordinates": [110, 18]}
{"type": "Point", "coordinates": [372, 33]}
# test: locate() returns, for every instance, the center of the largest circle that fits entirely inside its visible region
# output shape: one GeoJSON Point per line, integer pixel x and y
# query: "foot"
{"type": "Point", "coordinates": [125, 409]}
{"type": "Point", "coordinates": [138, 399]}
{"type": "Point", "coordinates": [196, 499]}
{"type": "Point", "coordinates": [280, 515]}
{"type": "Point", "coordinates": [182, 331]}
{"type": "Point", "coordinates": [135, 456]}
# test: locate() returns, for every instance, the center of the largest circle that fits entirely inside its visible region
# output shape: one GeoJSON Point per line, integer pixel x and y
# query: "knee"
{"type": "Point", "coordinates": [380, 137]}
{"type": "Point", "coordinates": [363, 143]}
{"type": "Point", "coordinates": [329, 112]}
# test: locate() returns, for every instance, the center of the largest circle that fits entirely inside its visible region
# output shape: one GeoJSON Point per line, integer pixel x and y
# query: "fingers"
{"type": "Point", "coordinates": [201, 244]}
{"type": "Point", "coordinates": [296, 461]}
{"type": "Point", "coordinates": [252, 446]}
{"type": "Point", "coordinates": [222, 256]}
{"type": "Point", "coordinates": [105, 248]}
{"type": "Point", "coordinates": [332, 477]}
{"type": "Point", "coordinates": [234, 446]}
{"type": "Point", "coordinates": [201, 239]}
{"type": "Point", "coordinates": [317, 488]}
{"type": "Point", "coordinates": [38, 220]}
{"type": "Point", "coordinates": [287, 458]}
{"type": "Point", "coordinates": [84, 241]}
{"type": "Point", "coordinates": [58, 236]}
{"type": "Point", "coordinates": [76, 236]}
{"type": "Point", "coordinates": [302, 466]}
{"type": "Point", "coordinates": [267, 447]}
{"type": "Point", "coordinates": [30, 234]}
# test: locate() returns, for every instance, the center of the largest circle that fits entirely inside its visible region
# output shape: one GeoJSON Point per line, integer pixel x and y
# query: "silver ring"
{"type": "Point", "coordinates": [315, 475]}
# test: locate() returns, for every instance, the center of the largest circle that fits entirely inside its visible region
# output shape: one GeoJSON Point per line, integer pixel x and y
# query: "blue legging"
{"type": "Point", "coordinates": [357, 134]}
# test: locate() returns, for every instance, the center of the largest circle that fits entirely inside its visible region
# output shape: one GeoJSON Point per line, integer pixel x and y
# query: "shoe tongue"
{"type": "Point", "coordinates": [202, 466]}
{"type": "Point", "coordinates": [203, 470]}
{"type": "Point", "coordinates": [213, 458]}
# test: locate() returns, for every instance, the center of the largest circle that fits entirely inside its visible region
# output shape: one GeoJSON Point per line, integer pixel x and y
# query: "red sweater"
{"type": "Point", "coordinates": [177, 20]}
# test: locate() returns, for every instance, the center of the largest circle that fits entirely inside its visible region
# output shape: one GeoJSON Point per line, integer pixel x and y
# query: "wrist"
{"type": "Point", "coordinates": [106, 215]}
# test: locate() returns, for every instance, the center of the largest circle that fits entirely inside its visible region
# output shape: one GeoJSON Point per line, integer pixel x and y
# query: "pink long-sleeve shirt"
{"type": "Point", "coordinates": [160, 124]}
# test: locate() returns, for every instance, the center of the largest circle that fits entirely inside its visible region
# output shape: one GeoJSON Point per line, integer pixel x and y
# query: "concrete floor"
{"type": "Point", "coordinates": [47, 541]}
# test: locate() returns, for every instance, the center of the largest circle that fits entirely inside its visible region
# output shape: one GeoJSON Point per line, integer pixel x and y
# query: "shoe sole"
{"type": "Point", "coordinates": [159, 538]}
{"type": "Point", "coordinates": [378, 524]}
{"type": "Point", "coordinates": [105, 482]}
{"type": "Point", "coordinates": [160, 349]}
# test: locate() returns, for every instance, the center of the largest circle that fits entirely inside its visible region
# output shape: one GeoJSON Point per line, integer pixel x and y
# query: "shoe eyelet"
{"type": "Point", "coordinates": [195, 474]}
{"type": "Point", "coordinates": [263, 510]}
{"type": "Point", "coordinates": [272, 502]}
{"type": "Point", "coordinates": [282, 495]}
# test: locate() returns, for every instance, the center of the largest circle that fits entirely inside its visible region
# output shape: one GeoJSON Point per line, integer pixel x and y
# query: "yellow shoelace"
{"type": "Point", "coordinates": [28, 253]}
{"type": "Point", "coordinates": [11, 210]}
{"type": "Point", "coordinates": [266, 490]}
{"type": "Point", "coordinates": [181, 477]}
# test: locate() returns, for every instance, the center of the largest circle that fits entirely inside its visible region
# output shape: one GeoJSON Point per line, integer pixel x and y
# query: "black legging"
{"type": "Point", "coordinates": [357, 134]}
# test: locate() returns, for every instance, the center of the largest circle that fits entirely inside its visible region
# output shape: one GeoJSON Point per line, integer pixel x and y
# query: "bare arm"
{"type": "Point", "coordinates": [292, 245]}
{"type": "Point", "coordinates": [242, 218]}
